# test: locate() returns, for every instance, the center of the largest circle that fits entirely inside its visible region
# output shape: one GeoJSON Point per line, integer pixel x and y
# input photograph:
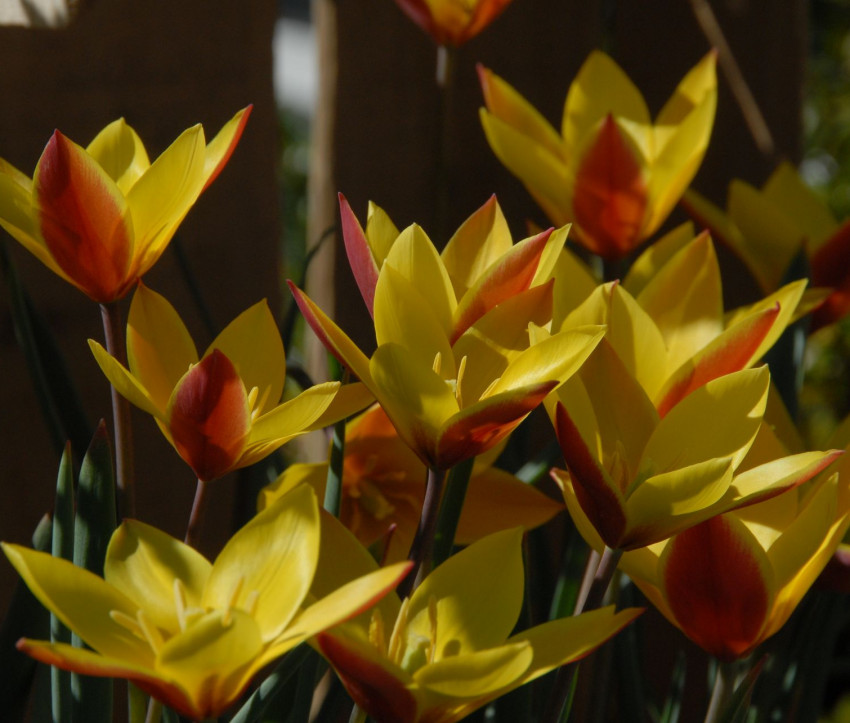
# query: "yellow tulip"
{"type": "Point", "coordinates": [101, 216]}
{"type": "Point", "coordinates": [611, 171]}
{"type": "Point", "coordinates": [221, 412]}
{"type": "Point", "coordinates": [768, 228]}
{"type": "Point", "coordinates": [456, 376]}
{"type": "Point", "coordinates": [667, 323]}
{"type": "Point", "coordinates": [190, 633]}
{"type": "Point", "coordinates": [448, 649]}
{"type": "Point", "coordinates": [450, 22]}
{"type": "Point", "coordinates": [732, 581]}
{"type": "Point", "coordinates": [383, 486]}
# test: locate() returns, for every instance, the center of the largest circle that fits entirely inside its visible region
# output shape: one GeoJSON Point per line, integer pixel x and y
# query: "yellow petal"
{"type": "Point", "coordinates": [787, 191]}
{"type": "Point", "coordinates": [480, 241]}
{"type": "Point", "coordinates": [405, 317]}
{"type": "Point", "coordinates": [472, 676]}
{"type": "Point", "coordinates": [164, 194]}
{"type": "Point", "coordinates": [252, 342]}
{"type": "Point", "coordinates": [546, 176]}
{"type": "Point", "coordinates": [600, 88]}
{"type": "Point", "coordinates": [127, 385]}
{"type": "Point", "coordinates": [159, 348]}
{"type": "Point", "coordinates": [349, 399]}
{"type": "Point", "coordinates": [655, 256]}
{"type": "Point", "coordinates": [381, 232]}
{"type": "Point", "coordinates": [121, 153]}
{"type": "Point", "coordinates": [82, 601]}
{"type": "Point", "coordinates": [273, 559]}
{"type": "Point", "coordinates": [701, 81]}
{"type": "Point", "coordinates": [287, 421]}
{"type": "Point", "coordinates": [144, 563]}
{"type": "Point", "coordinates": [474, 611]}
{"type": "Point", "coordinates": [417, 400]}
{"type": "Point", "coordinates": [415, 258]}
{"type": "Point", "coordinates": [220, 148]}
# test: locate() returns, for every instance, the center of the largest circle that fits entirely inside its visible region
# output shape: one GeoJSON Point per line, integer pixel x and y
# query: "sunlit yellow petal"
{"type": "Point", "coordinates": [126, 384]}
{"type": "Point", "coordinates": [121, 153]}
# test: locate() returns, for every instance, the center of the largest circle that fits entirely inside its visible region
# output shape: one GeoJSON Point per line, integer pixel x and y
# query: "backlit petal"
{"type": "Point", "coordinates": [220, 148]}
{"type": "Point", "coordinates": [127, 385]}
{"type": "Point", "coordinates": [121, 153]}
{"type": "Point", "coordinates": [363, 264]}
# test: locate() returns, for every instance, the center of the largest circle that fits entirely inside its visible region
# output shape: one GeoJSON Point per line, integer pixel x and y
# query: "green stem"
{"type": "Point", "coordinates": [721, 693]}
{"type": "Point", "coordinates": [333, 487]}
{"type": "Point", "coordinates": [450, 510]}
{"type": "Point", "coordinates": [421, 550]}
{"type": "Point", "coordinates": [193, 529]}
{"type": "Point", "coordinates": [113, 329]}
{"type": "Point", "coordinates": [589, 600]}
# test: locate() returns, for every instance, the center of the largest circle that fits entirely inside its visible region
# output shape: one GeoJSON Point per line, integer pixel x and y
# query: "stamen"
{"type": "Point", "coordinates": [128, 623]}
{"type": "Point", "coordinates": [460, 371]}
{"type": "Point", "coordinates": [396, 647]}
{"type": "Point", "coordinates": [377, 631]}
{"type": "Point", "coordinates": [180, 603]}
{"type": "Point", "coordinates": [150, 631]}
{"type": "Point", "coordinates": [432, 619]}
{"type": "Point", "coordinates": [438, 363]}
{"type": "Point", "coordinates": [486, 392]}
{"type": "Point", "coordinates": [251, 601]}
{"type": "Point", "coordinates": [252, 399]}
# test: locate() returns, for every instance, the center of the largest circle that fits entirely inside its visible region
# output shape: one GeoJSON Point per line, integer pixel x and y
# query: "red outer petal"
{"type": "Point", "coordinates": [609, 201]}
{"type": "Point", "coordinates": [169, 693]}
{"type": "Point", "coordinates": [226, 157]}
{"type": "Point", "coordinates": [474, 433]}
{"type": "Point", "coordinates": [381, 695]}
{"type": "Point", "coordinates": [359, 254]}
{"type": "Point", "coordinates": [732, 356]}
{"type": "Point", "coordinates": [81, 223]}
{"type": "Point", "coordinates": [715, 589]}
{"type": "Point", "coordinates": [209, 418]}
{"type": "Point", "coordinates": [831, 267]}
{"type": "Point", "coordinates": [595, 496]}
{"type": "Point", "coordinates": [512, 276]}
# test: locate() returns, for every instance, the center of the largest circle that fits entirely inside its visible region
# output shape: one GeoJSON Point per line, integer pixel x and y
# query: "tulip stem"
{"type": "Point", "coordinates": [445, 77]}
{"type": "Point", "coordinates": [113, 329]}
{"type": "Point", "coordinates": [590, 596]}
{"type": "Point", "coordinates": [422, 549]}
{"type": "Point", "coordinates": [450, 509]}
{"type": "Point", "coordinates": [193, 529]}
{"type": "Point", "coordinates": [721, 693]}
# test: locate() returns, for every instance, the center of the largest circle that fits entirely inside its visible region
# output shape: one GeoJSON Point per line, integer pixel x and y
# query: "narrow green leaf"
{"type": "Point", "coordinates": [450, 509]}
{"type": "Point", "coordinates": [738, 707]}
{"type": "Point", "coordinates": [62, 546]}
{"type": "Point", "coordinates": [94, 525]}
{"type": "Point", "coordinates": [673, 705]}
{"type": "Point", "coordinates": [333, 488]}
{"type": "Point", "coordinates": [254, 709]}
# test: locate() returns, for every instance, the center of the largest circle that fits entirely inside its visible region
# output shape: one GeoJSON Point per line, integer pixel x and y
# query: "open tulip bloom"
{"type": "Point", "coordinates": [667, 324]}
{"type": "Point", "coordinates": [732, 581]}
{"type": "Point", "coordinates": [190, 633]}
{"type": "Point", "coordinates": [222, 411]}
{"type": "Point", "coordinates": [611, 171]}
{"type": "Point", "coordinates": [101, 216]}
{"type": "Point", "coordinates": [768, 228]}
{"type": "Point", "coordinates": [636, 478]}
{"type": "Point", "coordinates": [450, 22]}
{"type": "Point", "coordinates": [383, 486]}
{"type": "Point", "coordinates": [448, 649]}
{"type": "Point", "coordinates": [455, 372]}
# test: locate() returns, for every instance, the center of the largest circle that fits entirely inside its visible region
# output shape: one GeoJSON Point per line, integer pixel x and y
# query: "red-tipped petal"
{"type": "Point", "coordinates": [512, 275]}
{"type": "Point", "coordinates": [731, 352]}
{"type": "Point", "coordinates": [610, 196]}
{"type": "Point", "coordinates": [221, 161]}
{"type": "Point", "coordinates": [84, 220]}
{"type": "Point", "coordinates": [382, 695]}
{"type": "Point", "coordinates": [599, 502]}
{"type": "Point", "coordinates": [208, 416]}
{"type": "Point", "coordinates": [716, 588]}
{"type": "Point", "coordinates": [484, 424]}
{"type": "Point", "coordinates": [359, 254]}
{"type": "Point", "coordinates": [831, 267]}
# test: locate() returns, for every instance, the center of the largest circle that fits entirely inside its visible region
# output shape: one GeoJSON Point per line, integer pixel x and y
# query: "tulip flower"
{"type": "Point", "coordinates": [221, 412]}
{"type": "Point", "coordinates": [450, 22]}
{"type": "Point", "coordinates": [732, 581]}
{"type": "Point", "coordinates": [667, 324]}
{"type": "Point", "coordinates": [769, 228]}
{"type": "Point", "coordinates": [383, 485]}
{"type": "Point", "coordinates": [636, 478]}
{"type": "Point", "coordinates": [188, 632]}
{"type": "Point", "coordinates": [611, 171]}
{"type": "Point", "coordinates": [101, 216]}
{"type": "Point", "coordinates": [457, 376]}
{"type": "Point", "coordinates": [448, 649]}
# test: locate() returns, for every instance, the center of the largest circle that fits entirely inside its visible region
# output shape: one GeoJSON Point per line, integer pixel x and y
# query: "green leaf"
{"type": "Point", "coordinates": [62, 546]}
{"type": "Point", "coordinates": [254, 709]}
